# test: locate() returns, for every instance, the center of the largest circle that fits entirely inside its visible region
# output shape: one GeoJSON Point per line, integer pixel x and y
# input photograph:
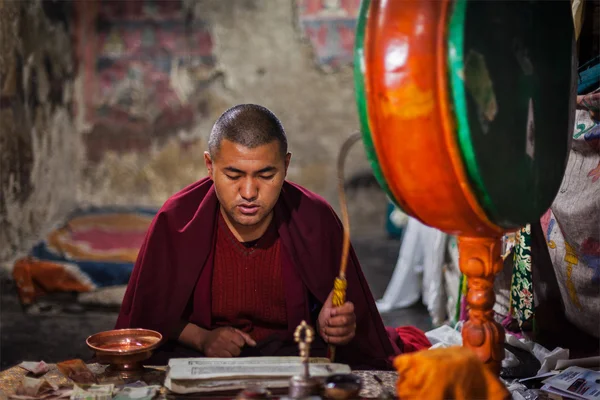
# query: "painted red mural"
{"type": "Point", "coordinates": [329, 25]}
{"type": "Point", "coordinates": [142, 61]}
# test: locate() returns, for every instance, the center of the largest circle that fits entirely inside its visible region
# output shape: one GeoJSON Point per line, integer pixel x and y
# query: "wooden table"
{"type": "Point", "coordinates": [10, 379]}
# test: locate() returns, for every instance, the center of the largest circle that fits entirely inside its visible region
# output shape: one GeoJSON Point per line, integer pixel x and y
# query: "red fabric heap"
{"type": "Point", "coordinates": [408, 338]}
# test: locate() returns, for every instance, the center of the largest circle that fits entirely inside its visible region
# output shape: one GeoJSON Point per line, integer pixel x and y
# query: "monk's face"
{"type": "Point", "coordinates": [247, 181]}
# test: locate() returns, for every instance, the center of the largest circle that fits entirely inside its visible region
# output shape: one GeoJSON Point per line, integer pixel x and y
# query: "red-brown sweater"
{"type": "Point", "coordinates": [247, 286]}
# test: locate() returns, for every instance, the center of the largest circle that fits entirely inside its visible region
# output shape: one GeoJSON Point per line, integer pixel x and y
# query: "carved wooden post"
{"type": "Point", "coordinates": [480, 261]}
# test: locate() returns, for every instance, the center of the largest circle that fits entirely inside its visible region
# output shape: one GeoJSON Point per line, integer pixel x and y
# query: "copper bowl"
{"type": "Point", "coordinates": [124, 349]}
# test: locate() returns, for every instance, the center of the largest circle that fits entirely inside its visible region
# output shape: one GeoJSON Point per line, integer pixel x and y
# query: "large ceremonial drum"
{"type": "Point", "coordinates": [467, 110]}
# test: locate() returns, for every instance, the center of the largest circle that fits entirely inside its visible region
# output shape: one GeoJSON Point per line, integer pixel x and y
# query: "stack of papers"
{"type": "Point", "coordinates": [206, 375]}
{"type": "Point", "coordinates": [574, 383]}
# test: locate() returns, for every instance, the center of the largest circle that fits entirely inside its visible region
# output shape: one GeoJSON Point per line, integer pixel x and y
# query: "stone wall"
{"type": "Point", "coordinates": [146, 120]}
{"type": "Point", "coordinates": [111, 102]}
{"type": "Point", "coordinates": [39, 147]}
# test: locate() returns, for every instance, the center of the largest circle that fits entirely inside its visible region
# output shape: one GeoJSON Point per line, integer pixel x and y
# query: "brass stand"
{"type": "Point", "coordinates": [304, 385]}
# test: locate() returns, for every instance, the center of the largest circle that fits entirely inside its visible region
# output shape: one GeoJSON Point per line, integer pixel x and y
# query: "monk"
{"type": "Point", "coordinates": [234, 262]}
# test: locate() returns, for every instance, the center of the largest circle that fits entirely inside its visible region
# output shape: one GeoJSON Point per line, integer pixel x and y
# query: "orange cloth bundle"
{"type": "Point", "coordinates": [35, 278]}
{"type": "Point", "coordinates": [450, 373]}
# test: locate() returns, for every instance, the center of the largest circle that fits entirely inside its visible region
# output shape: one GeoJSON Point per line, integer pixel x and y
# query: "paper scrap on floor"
{"type": "Point", "coordinates": [137, 393]}
{"type": "Point", "coordinates": [35, 367]}
{"type": "Point", "coordinates": [576, 383]}
{"type": "Point", "coordinates": [39, 389]}
{"type": "Point", "coordinates": [197, 375]}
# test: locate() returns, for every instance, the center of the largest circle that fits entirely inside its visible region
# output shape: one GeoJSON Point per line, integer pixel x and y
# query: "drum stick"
{"type": "Point", "coordinates": [340, 284]}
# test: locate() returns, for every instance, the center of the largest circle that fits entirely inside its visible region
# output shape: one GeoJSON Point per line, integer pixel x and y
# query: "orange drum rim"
{"type": "Point", "coordinates": [428, 192]}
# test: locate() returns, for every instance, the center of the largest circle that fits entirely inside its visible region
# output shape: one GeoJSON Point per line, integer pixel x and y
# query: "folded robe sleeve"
{"type": "Point", "coordinates": [138, 310]}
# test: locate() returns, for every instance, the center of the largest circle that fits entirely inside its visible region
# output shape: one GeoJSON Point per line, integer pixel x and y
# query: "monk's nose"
{"type": "Point", "coordinates": [249, 190]}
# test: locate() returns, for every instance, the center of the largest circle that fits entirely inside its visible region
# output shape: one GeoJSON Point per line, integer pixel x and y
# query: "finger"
{"type": "Point", "coordinates": [342, 320]}
{"type": "Point", "coordinates": [329, 301]}
{"type": "Point", "coordinates": [234, 336]}
{"type": "Point", "coordinates": [233, 349]}
{"type": "Point", "coordinates": [341, 340]}
{"type": "Point", "coordinates": [346, 308]}
{"type": "Point", "coordinates": [221, 353]}
{"type": "Point", "coordinates": [338, 332]}
{"type": "Point", "coordinates": [247, 338]}
{"type": "Point", "coordinates": [224, 354]}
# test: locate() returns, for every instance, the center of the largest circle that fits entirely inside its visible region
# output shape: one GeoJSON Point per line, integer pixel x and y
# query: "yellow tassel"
{"type": "Point", "coordinates": [339, 298]}
{"type": "Point", "coordinates": [339, 291]}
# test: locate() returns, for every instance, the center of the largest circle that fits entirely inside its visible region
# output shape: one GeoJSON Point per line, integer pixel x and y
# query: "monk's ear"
{"type": "Point", "coordinates": [209, 164]}
{"type": "Point", "coordinates": [288, 157]}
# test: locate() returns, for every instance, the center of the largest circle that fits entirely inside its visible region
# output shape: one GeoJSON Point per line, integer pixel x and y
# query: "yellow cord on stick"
{"type": "Point", "coordinates": [339, 291]}
{"type": "Point", "coordinates": [338, 299]}
{"type": "Point", "coordinates": [340, 284]}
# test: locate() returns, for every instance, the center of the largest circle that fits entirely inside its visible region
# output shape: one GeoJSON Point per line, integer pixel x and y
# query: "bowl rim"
{"type": "Point", "coordinates": [151, 347]}
{"type": "Point", "coordinates": [352, 379]}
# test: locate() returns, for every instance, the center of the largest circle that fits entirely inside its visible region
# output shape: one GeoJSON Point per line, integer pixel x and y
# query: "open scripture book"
{"type": "Point", "coordinates": [209, 375]}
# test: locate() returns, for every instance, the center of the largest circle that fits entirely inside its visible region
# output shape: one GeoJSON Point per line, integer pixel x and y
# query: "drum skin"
{"type": "Point", "coordinates": [512, 73]}
{"type": "Point", "coordinates": [468, 140]}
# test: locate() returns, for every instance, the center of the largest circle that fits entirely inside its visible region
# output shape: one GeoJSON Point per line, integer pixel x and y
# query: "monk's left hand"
{"type": "Point", "coordinates": [337, 325]}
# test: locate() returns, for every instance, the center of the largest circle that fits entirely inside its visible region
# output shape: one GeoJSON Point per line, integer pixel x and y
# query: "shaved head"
{"type": "Point", "coordinates": [249, 125]}
{"type": "Point", "coordinates": [247, 160]}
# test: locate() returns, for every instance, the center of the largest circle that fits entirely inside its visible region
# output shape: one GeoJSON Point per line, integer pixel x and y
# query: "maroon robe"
{"type": "Point", "coordinates": [175, 264]}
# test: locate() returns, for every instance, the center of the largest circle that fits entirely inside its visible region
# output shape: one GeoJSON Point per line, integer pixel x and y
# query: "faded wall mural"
{"type": "Point", "coordinates": [144, 61]}
{"type": "Point", "coordinates": [154, 75]}
{"type": "Point", "coordinates": [329, 25]}
{"type": "Point", "coordinates": [149, 79]}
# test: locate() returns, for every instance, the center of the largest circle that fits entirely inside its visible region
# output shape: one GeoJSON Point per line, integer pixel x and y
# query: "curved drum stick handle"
{"type": "Point", "coordinates": [340, 284]}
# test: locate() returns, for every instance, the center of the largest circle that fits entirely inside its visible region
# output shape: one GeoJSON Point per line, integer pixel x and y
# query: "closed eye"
{"type": "Point", "coordinates": [233, 178]}
{"type": "Point", "coordinates": [267, 177]}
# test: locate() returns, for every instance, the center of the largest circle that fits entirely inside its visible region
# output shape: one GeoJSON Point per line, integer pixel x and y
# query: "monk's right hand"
{"type": "Point", "coordinates": [225, 342]}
